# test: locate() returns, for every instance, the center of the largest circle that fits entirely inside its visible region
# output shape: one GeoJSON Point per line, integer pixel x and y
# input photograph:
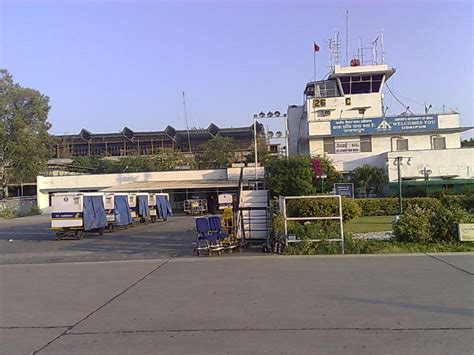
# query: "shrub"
{"type": "Point", "coordinates": [323, 207]}
{"type": "Point", "coordinates": [413, 225]}
{"type": "Point", "coordinates": [390, 206]}
{"type": "Point", "coordinates": [444, 222]}
{"type": "Point", "coordinates": [7, 212]}
{"type": "Point", "coordinates": [464, 201]}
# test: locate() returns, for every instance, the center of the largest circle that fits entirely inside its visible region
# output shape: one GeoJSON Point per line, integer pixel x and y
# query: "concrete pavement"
{"type": "Point", "coordinates": [249, 305]}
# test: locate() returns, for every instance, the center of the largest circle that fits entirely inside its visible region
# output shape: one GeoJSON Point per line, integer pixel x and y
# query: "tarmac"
{"type": "Point", "coordinates": [180, 304]}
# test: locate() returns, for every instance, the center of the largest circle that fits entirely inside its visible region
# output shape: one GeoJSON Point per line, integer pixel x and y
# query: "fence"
{"type": "Point", "coordinates": [20, 206]}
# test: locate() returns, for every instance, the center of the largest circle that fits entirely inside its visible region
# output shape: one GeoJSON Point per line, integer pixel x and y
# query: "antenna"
{"type": "Point", "coordinates": [347, 37]}
{"type": "Point", "coordinates": [382, 50]}
{"type": "Point", "coordinates": [334, 46]}
{"type": "Point", "coordinates": [186, 119]}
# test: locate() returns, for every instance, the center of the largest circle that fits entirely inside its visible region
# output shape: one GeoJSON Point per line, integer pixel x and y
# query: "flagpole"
{"type": "Point", "coordinates": [314, 62]}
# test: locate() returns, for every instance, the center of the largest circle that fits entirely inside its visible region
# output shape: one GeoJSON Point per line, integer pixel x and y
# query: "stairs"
{"type": "Point", "coordinates": [254, 207]}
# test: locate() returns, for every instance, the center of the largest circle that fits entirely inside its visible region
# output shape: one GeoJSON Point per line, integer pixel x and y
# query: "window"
{"type": "Point", "coordinates": [365, 143]}
{"type": "Point", "coordinates": [329, 146]}
{"type": "Point", "coordinates": [402, 144]}
{"type": "Point", "coordinates": [326, 88]}
{"type": "Point", "coordinates": [439, 143]}
{"type": "Point", "coordinates": [361, 84]}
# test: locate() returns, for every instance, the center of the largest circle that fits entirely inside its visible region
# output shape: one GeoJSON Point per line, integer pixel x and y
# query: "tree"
{"type": "Point", "coordinates": [368, 177]}
{"type": "Point", "coordinates": [25, 145]}
{"type": "Point", "coordinates": [216, 153]}
{"type": "Point", "coordinates": [290, 177]}
{"type": "Point", "coordinates": [329, 170]}
{"type": "Point", "coordinates": [467, 143]}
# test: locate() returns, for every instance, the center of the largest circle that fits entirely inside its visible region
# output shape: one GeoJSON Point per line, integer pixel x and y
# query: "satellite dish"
{"type": "Point", "coordinates": [261, 114]}
{"type": "Point", "coordinates": [277, 113]}
{"type": "Point", "coordinates": [270, 114]}
{"type": "Point", "coordinates": [270, 134]}
{"type": "Point", "coordinates": [279, 134]}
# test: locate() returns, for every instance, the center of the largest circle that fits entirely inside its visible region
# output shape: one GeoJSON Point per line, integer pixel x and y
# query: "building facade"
{"type": "Point", "coordinates": [344, 118]}
{"type": "Point", "coordinates": [128, 142]}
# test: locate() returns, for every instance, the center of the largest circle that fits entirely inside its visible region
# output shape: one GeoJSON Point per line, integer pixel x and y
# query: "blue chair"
{"type": "Point", "coordinates": [207, 240]}
{"type": "Point", "coordinates": [216, 227]}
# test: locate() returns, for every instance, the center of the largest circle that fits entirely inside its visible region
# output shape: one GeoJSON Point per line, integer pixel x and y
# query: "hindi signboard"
{"type": "Point", "coordinates": [344, 189]}
{"type": "Point", "coordinates": [381, 125]}
{"type": "Point", "coordinates": [347, 147]}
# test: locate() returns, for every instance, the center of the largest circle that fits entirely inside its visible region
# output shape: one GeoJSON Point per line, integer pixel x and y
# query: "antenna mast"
{"type": "Point", "coordinates": [187, 125]}
{"type": "Point", "coordinates": [347, 37]}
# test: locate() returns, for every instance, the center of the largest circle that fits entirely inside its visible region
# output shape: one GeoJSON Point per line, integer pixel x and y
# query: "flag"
{"type": "Point", "coordinates": [316, 47]}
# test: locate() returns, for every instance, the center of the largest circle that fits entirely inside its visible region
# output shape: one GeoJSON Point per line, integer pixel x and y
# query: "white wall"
{"type": "Point", "coordinates": [46, 184]}
{"type": "Point", "coordinates": [442, 163]}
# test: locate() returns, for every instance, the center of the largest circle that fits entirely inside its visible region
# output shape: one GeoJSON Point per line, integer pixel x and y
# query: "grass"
{"type": "Point", "coordinates": [369, 224]}
{"type": "Point", "coordinates": [357, 246]}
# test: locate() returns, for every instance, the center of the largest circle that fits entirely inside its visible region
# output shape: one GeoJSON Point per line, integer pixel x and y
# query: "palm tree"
{"type": "Point", "coordinates": [368, 177]}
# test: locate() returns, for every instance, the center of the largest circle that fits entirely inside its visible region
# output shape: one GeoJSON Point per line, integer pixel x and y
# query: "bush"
{"type": "Point", "coordinates": [464, 201]}
{"type": "Point", "coordinates": [323, 207]}
{"type": "Point", "coordinates": [444, 223]}
{"type": "Point", "coordinates": [390, 206]}
{"type": "Point", "coordinates": [7, 212]}
{"type": "Point", "coordinates": [414, 225]}
{"type": "Point", "coordinates": [430, 224]}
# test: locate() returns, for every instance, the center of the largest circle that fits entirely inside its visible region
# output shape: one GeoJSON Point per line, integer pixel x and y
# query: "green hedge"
{"type": "Point", "coordinates": [390, 207]}
{"type": "Point", "coordinates": [427, 225]}
{"type": "Point", "coordinates": [324, 207]}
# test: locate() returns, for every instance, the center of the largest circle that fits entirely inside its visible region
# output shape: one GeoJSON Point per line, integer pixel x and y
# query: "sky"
{"type": "Point", "coordinates": [109, 64]}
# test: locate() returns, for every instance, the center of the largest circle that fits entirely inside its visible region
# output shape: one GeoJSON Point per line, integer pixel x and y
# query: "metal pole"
{"type": "Point", "coordinates": [287, 138]}
{"type": "Point", "coordinates": [256, 154]}
{"type": "Point", "coordinates": [399, 185]}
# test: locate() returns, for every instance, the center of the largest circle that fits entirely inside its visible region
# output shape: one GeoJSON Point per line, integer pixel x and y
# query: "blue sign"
{"type": "Point", "coordinates": [387, 125]}
{"type": "Point", "coordinates": [344, 189]}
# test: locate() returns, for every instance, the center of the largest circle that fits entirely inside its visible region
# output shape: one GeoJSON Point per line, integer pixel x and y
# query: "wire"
{"type": "Point", "coordinates": [395, 97]}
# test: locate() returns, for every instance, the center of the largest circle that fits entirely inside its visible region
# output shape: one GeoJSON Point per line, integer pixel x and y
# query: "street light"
{"type": "Point", "coordinates": [269, 114]}
{"type": "Point", "coordinates": [426, 172]}
{"type": "Point", "coordinates": [398, 161]}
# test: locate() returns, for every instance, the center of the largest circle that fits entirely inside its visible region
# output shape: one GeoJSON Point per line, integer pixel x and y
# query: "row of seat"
{"type": "Point", "coordinates": [211, 238]}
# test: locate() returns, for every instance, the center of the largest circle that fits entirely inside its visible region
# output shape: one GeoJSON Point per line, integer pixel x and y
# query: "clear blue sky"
{"type": "Point", "coordinates": [110, 64]}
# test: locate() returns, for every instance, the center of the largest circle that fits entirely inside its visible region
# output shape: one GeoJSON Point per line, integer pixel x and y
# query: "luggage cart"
{"type": "Point", "coordinates": [74, 213]}
{"type": "Point", "coordinates": [195, 206]}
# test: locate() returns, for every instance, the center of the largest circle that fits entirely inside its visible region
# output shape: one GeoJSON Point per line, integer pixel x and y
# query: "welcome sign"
{"type": "Point", "coordinates": [381, 125]}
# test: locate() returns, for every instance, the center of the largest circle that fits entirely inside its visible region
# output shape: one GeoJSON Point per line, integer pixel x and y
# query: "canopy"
{"type": "Point", "coordinates": [122, 211]}
{"type": "Point", "coordinates": [94, 213]}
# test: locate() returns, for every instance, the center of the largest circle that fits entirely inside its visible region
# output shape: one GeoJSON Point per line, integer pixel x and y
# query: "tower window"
{"type": "Point", "coordinates": [365, 143]}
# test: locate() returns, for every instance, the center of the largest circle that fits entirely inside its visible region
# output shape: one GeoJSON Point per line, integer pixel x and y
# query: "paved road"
{"type": "Point", "coordinates": [32, 242]}
{"type": "Point", "coordinates": [417, 304]}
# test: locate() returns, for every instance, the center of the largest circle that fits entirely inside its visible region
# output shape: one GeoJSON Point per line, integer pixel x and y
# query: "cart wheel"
{"type": "Point", "coordinates": [101, 231]}
{"type": "Point", "coordinates": [59, 236]}
{"type": "Point", "coordinates": [79, 235]}
{"type": "Point", "coordinates": [165, 219]}
{"type": "Point", "coordinates": [153, 219]}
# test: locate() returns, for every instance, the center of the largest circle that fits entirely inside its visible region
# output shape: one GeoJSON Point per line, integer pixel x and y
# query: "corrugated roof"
{"type": "Point", "coordinates": [172, 185]}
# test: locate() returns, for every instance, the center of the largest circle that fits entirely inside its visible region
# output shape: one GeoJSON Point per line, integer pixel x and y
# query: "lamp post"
{"type": "Point", "coordinates": [426, 172]}
{"type": "Point", "coordinates": [398, 161]}
{"type": "Point", "coordinates": [269, 114]}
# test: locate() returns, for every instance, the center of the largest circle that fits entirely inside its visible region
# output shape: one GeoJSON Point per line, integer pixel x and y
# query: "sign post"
{"type": "Point", "coordinates": [344, 189]}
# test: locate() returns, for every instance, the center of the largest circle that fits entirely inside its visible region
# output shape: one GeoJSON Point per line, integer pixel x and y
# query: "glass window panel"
{"type": "Point", "coordinates": [439, 143]}
{"type": "Point", "coordinates": [329, 146]}
{"type": "Point", "coordinates": [360, 88]}
{"type": "Point", "coordinates": [345, 79]}
{"type": "Point", "coordinates": [347, 88]}
{"type": "Point", "coordinates": [376, 86]}
{"type": "Point", "coordinates": [366, 78]}
{"type": "Point", "coordinates": [355, 78]}
{"type": "Point", "coordinates": [402, 144]}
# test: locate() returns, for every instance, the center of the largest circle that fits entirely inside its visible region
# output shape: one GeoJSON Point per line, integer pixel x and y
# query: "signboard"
{"type": "Point", "coordinates": [344, 189]}
{"type": "Point", "coordinates": [466, 232]}
{"type": "Point", "coordinates": [347, 147]}
{"type": "Point", "coordinates": [405, 124]}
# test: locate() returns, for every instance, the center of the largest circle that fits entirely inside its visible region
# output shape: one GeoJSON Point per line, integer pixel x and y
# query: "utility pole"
{"type": "Point", "coordinates": [187, 125]}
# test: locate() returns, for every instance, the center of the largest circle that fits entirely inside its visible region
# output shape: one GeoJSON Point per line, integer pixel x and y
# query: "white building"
{"type": "Point", "coordinates": [181, 185]}
{"type": "Point", "coordinates": [344, 119]}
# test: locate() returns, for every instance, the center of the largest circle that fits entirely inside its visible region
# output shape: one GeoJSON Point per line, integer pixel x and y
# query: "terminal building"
{"type": "Point", "coordinates": [344, 118]}
{"type": "Point", "coordinates": [127, 142]}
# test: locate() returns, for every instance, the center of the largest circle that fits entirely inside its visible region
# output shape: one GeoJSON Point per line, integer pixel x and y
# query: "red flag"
{"type": "Point", "coordinates": [316, 47]}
